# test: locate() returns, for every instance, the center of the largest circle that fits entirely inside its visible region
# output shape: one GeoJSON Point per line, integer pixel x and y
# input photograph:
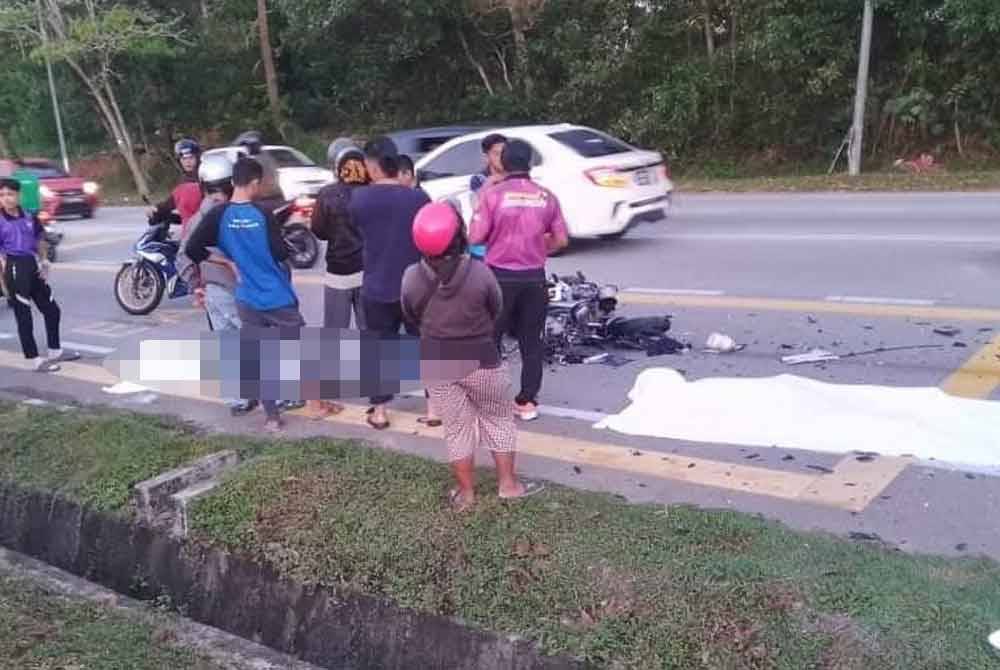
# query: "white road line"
{"type": "Point", "coordinates": [674, 291]}
{"type": "Point", "coordinates": [7, 336]}
{"type": "Point", "coordinates": [870, 300]}
{"type": "Point", "coordinates": [89, 348]}
{"type": "Point", "coordinates": [570, 413]}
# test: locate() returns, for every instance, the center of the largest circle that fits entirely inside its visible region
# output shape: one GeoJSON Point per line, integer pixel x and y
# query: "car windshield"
{"type": "Point", "coordinates": [590, 143]}
{"type": "Point", "coordinates": [44, 171]}
{"type": "Point", "coordinates": [288, 158]}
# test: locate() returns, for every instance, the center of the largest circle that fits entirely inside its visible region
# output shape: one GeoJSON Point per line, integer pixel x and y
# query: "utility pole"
{"type": "Point", "coordinates": [861, 94]}
{"type": "Point", "coordinates": [52, 91]}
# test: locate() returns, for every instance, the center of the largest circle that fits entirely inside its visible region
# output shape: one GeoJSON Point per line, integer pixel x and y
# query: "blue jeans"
{"type": "Point", "coordinates": [222, 315]}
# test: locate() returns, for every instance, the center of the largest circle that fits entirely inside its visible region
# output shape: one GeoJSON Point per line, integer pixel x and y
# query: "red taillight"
{"type": "Point", "coordinates": [607, 177]}
{"type": "Point", "coordinates": [665, 171]}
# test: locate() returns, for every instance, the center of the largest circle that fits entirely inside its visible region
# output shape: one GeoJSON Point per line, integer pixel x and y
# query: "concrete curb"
{"type": "Point", "coordinates": [222, 648]}
{"type": "Point", "coordinates": [325, 626]}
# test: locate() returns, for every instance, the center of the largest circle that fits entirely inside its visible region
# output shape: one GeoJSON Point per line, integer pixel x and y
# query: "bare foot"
{"type": "Point", "coordinates": [521, 490]}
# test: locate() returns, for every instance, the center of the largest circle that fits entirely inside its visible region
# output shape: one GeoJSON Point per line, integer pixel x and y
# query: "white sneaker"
{"type": "Point", "coordinates": [526, 412]}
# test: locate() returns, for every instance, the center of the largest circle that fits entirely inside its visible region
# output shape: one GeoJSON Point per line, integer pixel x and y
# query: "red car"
{"type": "Point", "coordinates": [62, 194]}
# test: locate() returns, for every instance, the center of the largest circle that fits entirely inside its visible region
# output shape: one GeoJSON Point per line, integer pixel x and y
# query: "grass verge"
{"type": "Point", "coordinates": [875, 181]}
{"type": "Point", "coordinates": [624, 586]}
{"type": "Point", "coordinates": [43, 631]}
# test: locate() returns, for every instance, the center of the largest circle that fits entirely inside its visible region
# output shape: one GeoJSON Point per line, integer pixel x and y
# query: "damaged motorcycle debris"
{"type": "Point", "coordinates": [581, 324]}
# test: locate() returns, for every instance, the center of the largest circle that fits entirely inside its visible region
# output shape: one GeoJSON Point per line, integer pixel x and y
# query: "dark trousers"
{"type": "Point", "coordinates": [285, 317]}
{"type": "Point", "coordinates": [24, 287]}
{"type": "Point", "coordinates": [385, 319]}
{"type": "Point", "coordinates": [523, 316]}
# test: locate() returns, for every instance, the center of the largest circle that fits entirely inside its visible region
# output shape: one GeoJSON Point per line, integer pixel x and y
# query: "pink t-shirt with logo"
{"type": "Point", "coordinates": [512, 219]}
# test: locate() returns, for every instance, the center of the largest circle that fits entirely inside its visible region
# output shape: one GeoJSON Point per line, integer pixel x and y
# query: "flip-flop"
{"type": "Point", "coordinates": [327, 410]}
{"type": "Point", "coordinates": [377, 425]}
{"type": "Point", "coordinates": [530, 489]}
{"type": "Point", "coordinates": [458, 503]}
{"type": "Point", "coordinates": [430, 423]}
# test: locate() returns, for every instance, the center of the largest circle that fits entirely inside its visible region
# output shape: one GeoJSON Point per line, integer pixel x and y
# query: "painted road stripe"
{"type": "Point", "coordinates": [814, 307]}
{"type": "Point", "coordinates": [792, 486]}
{"type": "Point", "coordinates": [867, 300]}
{"type": "Point", "coordinates": [979, 376]}
{"type": "Point", "coordinates": [852, 486]}
{"type": "Point", "coordinates": [674, 291]}
{"type": "Point", "coordinates": [75, 246]}
{"type": "Point", "coordinates": [88, 348]}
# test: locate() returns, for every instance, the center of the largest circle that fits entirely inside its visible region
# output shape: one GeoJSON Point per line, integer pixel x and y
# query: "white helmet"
{"type": "Point", "coordinates": [216, 170]}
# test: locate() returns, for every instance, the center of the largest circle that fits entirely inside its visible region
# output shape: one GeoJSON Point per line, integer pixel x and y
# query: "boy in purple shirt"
{"type": "Point", "coordinates": [24, 275]}
{"type": "Point", "coordinates": [521, 223]}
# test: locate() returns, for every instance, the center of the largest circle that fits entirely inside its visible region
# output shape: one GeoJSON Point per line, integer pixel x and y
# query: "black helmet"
{"type": "Point", "coordinates": [187, 147]}
{"type": "Point", "coordinates": [252, 140]}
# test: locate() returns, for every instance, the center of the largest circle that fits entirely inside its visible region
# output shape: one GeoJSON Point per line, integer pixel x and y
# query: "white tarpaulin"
{"type": "Point", "coordinates": [795, 412]}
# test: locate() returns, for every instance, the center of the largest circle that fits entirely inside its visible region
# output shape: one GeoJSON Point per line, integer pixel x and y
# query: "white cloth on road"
{"type": "Point", "coordinates": [795, 412]}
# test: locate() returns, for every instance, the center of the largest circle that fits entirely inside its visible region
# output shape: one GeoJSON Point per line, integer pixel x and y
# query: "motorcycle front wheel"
{"type": "Point", "coordinates": [303, 247]}
{"type": "Point", "coordinates": [139, 288]}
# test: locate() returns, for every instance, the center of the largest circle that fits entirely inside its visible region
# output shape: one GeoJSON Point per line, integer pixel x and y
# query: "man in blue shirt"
{"type": "Point", "coordinates": [249, 242]}
{"type": "Point", "coordinates": [493, 145]}
{"type": "Point", "coordinates": [384, 211]}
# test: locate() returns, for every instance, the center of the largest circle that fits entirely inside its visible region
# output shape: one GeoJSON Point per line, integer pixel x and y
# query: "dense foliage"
{"type": "Point", "coordinates": [770, 81]}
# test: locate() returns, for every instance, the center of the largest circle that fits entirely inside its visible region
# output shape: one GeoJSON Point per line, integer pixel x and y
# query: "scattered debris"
{"type": "Point", "coordinates": [597, 358]}
{"type": "Point", "coordinates": [722, 344]}
{"type": "Point", "coordinates": [577, 469]}
{"type": "Point", "coordinates": [690, 465]}
{"type": "Point", "coordinates": [752, 457]}
{"type": "Point", "coordinates": [124, 388]}
{"type": "Point", "coordinates": [865, 458]}
{"type": "Point", "coordinates": [947, 331]}
{"type": "Point", "coordinates": [960, 345]}
{"type": "Point", "coordinates": [985, 330]}
{"type": "Point", "coordinates": [787, 347]}
{"type": "Point", "coordinates": [961, 546]}
{"type": "Point", "coordinates": [636, 452]}
{"type": "Point", "coordinates": [811, 319]}
{"type": "Point", "coordinates": [787, 458]}
{"type": "Point", "coordinates": [820, 468]}
{"type": "Point", "coordinates": [969, 475]}
{"type": "Point", "coordinates": [821, 355]}
{"type": "Point", "coordinates": [864, 537]}
{"type": "Point", "coordinates": [869, 327]}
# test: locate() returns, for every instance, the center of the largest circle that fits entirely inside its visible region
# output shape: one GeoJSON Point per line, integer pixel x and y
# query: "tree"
{"type": "Point", "coordinates": [267, 59]}
{"type": "Point", "coordinates": [523, 14]}
{"type": "Point", "coordinates": [90, 36]}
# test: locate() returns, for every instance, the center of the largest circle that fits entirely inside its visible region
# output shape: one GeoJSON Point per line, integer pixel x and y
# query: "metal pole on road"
{"type": "Point", "coordinates": [861, 93]}
{"type": "Point", "coordinates": [52, 91]}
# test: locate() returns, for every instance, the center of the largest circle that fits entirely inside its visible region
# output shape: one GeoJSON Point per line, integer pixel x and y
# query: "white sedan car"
{"type": "Point", "coordinates": [297, 174]}
{"type": "Point", "coordinates": [604, 185]}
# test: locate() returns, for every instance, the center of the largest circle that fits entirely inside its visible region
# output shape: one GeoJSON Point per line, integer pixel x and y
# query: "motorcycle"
{"type": "Point", "coordinates": [142, 281]}
{"type": "Point", "coordinates": [52, 237]}
{"type": "Point", "coordinates": [295, 218]}
{"type": "Point", "coordinates": [581, 316]}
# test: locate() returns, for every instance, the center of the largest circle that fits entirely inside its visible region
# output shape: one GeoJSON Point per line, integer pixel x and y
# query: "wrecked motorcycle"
{"type": "Point", "coordinates": [581, 319]}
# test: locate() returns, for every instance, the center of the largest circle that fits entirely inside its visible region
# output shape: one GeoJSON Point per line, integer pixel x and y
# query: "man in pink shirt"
{"type": "Point", "coordinates": [521, 223]}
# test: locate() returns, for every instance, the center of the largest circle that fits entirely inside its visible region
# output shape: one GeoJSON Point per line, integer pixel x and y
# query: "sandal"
{"type": "Point", "coordinates": [429, 422]}
{"type": "Point", "coordinates": [458, 503]}
{"type": "Point", "coordinates": [530, 489]}
{"type": "Point", "coordinates": [377, 425]}
{"type": "Point", "coordinates": [326, 410]}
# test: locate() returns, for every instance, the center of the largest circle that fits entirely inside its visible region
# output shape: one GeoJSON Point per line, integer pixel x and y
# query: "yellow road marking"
{"type": "Point", "coordinates": [100, 242]}
{"type": "Point", "coordinates": [979, 376]}
{"type": "Point", "coordinates": [829, 490]}
{"type": "Point", "coordinates": [813, 306]}
{"type": "Point", "coordinates": [852, 485]}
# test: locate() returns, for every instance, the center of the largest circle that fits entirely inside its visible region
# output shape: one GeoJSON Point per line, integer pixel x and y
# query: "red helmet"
{"type": "Point", "coordinates": [434, 228]}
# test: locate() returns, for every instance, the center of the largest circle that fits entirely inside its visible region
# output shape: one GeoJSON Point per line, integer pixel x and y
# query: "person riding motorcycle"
{"type": "Point", "coordinates": [186, 196]}
{"type": "Point", "coordinates": [270, 190]}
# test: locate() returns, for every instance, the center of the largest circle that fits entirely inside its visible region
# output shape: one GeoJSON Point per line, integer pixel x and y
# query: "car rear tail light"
{"type": "Point", "coordinates": [304, 202]}
{"type": "Point", "coordinates": [665, 170]}
{"type": "Point", "coordinates": [608, 177]}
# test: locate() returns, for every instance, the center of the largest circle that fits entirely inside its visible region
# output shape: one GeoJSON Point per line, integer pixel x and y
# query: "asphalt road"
{"type": "Point", "coordinates": [779, 273]}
